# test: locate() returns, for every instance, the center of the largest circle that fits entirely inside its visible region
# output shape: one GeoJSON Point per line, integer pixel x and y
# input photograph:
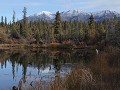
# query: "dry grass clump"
{"type": "Point", "coordinates": [57, 84]}
{"type": "Point", "coordinates": [80, 78]}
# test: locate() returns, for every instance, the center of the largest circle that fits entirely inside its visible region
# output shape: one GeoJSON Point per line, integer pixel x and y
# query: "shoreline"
{"type": "Point", "coordinates": [57, 46]}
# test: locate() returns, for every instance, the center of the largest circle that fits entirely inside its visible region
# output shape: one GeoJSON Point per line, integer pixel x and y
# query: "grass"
{"type": "Point", "coordinates": [80, 78]}
{"type": "Point", "coordinates": [101, 73]}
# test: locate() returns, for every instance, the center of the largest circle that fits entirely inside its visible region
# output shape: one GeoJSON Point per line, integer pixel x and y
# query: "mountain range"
{"type": "Point", "coordinates": [74, 15]}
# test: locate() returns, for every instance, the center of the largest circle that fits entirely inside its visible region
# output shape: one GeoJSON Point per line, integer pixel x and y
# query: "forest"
{"type": "Point", "coordinates": [60, 33]}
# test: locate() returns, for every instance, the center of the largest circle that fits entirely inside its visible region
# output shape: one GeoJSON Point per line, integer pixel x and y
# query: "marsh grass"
{"type": "Point", "coordinates": [102, 73]}
{"type": "Point", "coordinates": [106, 69]}
{"type": "Point", "coordinates": [80, 78]}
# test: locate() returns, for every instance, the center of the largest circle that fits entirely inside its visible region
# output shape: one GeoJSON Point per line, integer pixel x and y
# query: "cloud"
{"type": "Point", "coordinates": [35, 4]}
{"type": "Point", "coordinates": [32, 4]}
{"type": "Point", "coordinates": [83, 4]}
{"type": "Point", "coordinates": [91, 5]}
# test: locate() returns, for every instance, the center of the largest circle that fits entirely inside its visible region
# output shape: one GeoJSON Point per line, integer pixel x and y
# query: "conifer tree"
{"type": "Point", "coordinates": [5, 21]}
{"type": "Point", "coordinates": [24, 31]}
{"type": "Point", "coordinates": [5, 25]}
{"type": "Point", "coordinates": [37, 36]}
{"type": "Point", "coordinates": [58, 26]}
{"type": "Point", "coordinates": [92, 31]}
{"type": "Point", "coordinates": [13, 17]}
{"type": "Point", "coordinates": [81, 32]}
{"type": "Point", "coordinates": [14, 32]}
{"type": "Point", "coordinates": [21, 29]}
{"type": "Point", "coordinates": [2, 21]}
{"type": "Point", "coordinates": [86, 29]}
{"type": "Point", "coordinates": [115, 22]}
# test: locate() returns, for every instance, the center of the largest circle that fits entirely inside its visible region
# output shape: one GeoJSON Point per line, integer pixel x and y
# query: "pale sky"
{"type": "Point", "coordinates": [35, 6]}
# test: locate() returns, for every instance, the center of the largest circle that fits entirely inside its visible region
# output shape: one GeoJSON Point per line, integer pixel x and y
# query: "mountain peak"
{"type": "Point", "coordinates": [43, 12]}
{"type": "Point", "coordinates": [72, 15]}
{"type": "Point", "coordinates": [105, 13]}
{"type": "Point", "coordinates": [71, 12]}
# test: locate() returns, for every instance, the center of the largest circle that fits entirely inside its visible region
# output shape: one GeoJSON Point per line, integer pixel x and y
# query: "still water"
{"type": "Point", "coordinates": [27, 66]}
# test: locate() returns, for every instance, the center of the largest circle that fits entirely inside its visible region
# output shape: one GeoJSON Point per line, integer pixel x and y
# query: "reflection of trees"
{"type": "Point", "coordinates": [104, 66]}
{"type": "Point", "coordinates": [42, 59]}
{"type": "Point", "coordinates": [56, 63]}
{"type": "Point", "coordinates": [3, 57]}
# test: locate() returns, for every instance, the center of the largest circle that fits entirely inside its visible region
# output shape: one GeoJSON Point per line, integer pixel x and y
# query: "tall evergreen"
{"type": "Point", "coordinates": [24, 15]}
{"type": "Point", "coordinates": [86, 30]}
{"type": "Point", "coordinates": [115, 22]}
{"type": "Point", "coordinates": [92, 31]}
{"type": "Point", "coordinates": [6, 26]}
{"type": "Point", "coordinates": [81, 32]}
{"type": "Point", "coordinates": [37, 36]}
{"type": "Point", "coordinates": [24, 31]}
{"type": "Point", "coordinates": [13, 17]}
{"type": "Point", "coordinates": [14, 32]}
{"type": "Point", "coordinates": [2, 21]}
{"type": "Point", "coordinates": [58, 26]}
{"type": "Point", "coordinates": [5, 21]}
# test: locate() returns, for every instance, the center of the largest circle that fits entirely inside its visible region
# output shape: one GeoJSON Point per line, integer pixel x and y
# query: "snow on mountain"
{"type": "Point", "coordinates": [106, 14]}
{"type": "Point", "coordinates": [44, 12]}
{"type": "Point", "coordinates": [74, 15]}
{"type": "Point", "coordinates": [44, 15]}
{"type": "Point", "coordinates": [70, 13]}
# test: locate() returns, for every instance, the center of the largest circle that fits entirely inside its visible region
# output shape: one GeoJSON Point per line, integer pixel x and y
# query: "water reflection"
{"type": "Point", "coordinates": [24, 66]}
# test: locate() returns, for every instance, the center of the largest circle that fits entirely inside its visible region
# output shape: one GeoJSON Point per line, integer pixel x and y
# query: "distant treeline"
{"type": "Point", "coordinates": [67, 32]}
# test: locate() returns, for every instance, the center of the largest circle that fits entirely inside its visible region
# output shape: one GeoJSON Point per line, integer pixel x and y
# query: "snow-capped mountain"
{"type": "Point", "coordinates": [74, 15]}
{"type": "Point", "coordinates": [44, 15]}
{"type": "Point", "coordinates": [106, 14]}
{"type": "Point", "coordinates": [44, 12]}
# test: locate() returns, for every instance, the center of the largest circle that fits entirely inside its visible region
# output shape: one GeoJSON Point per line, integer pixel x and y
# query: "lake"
{"type": "Point", "coordinates": [29, 65]}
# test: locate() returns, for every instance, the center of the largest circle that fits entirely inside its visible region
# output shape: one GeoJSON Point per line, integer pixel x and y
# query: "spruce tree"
{"type": "Point", "coordinates": [2, 21]}
{"type": "Point", "coordinates": [37, 36]}
{"type": "Point", "coordinates": [24, 31]}
{"type": "Point", "coordinates": [14, 33]}
{"type": "Point", "coordinates": [81, 32]}
{"type": "Point", "coordinates": [92, 31]}
{"type": "Point", "coordinates": [70, 31]}
{"type": "Point", "coordinates": [58, 26]}
{"type": "Point", "coordinates": [5, 21]}
{"type": "Point", "coordinates": [86, 31]}
{"type": "Point", "coordinates": [101, 28]}
{"type": "Point", "coordinates": [116, 25]}
{"type": "Point", "coordinates": [13, 17]}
